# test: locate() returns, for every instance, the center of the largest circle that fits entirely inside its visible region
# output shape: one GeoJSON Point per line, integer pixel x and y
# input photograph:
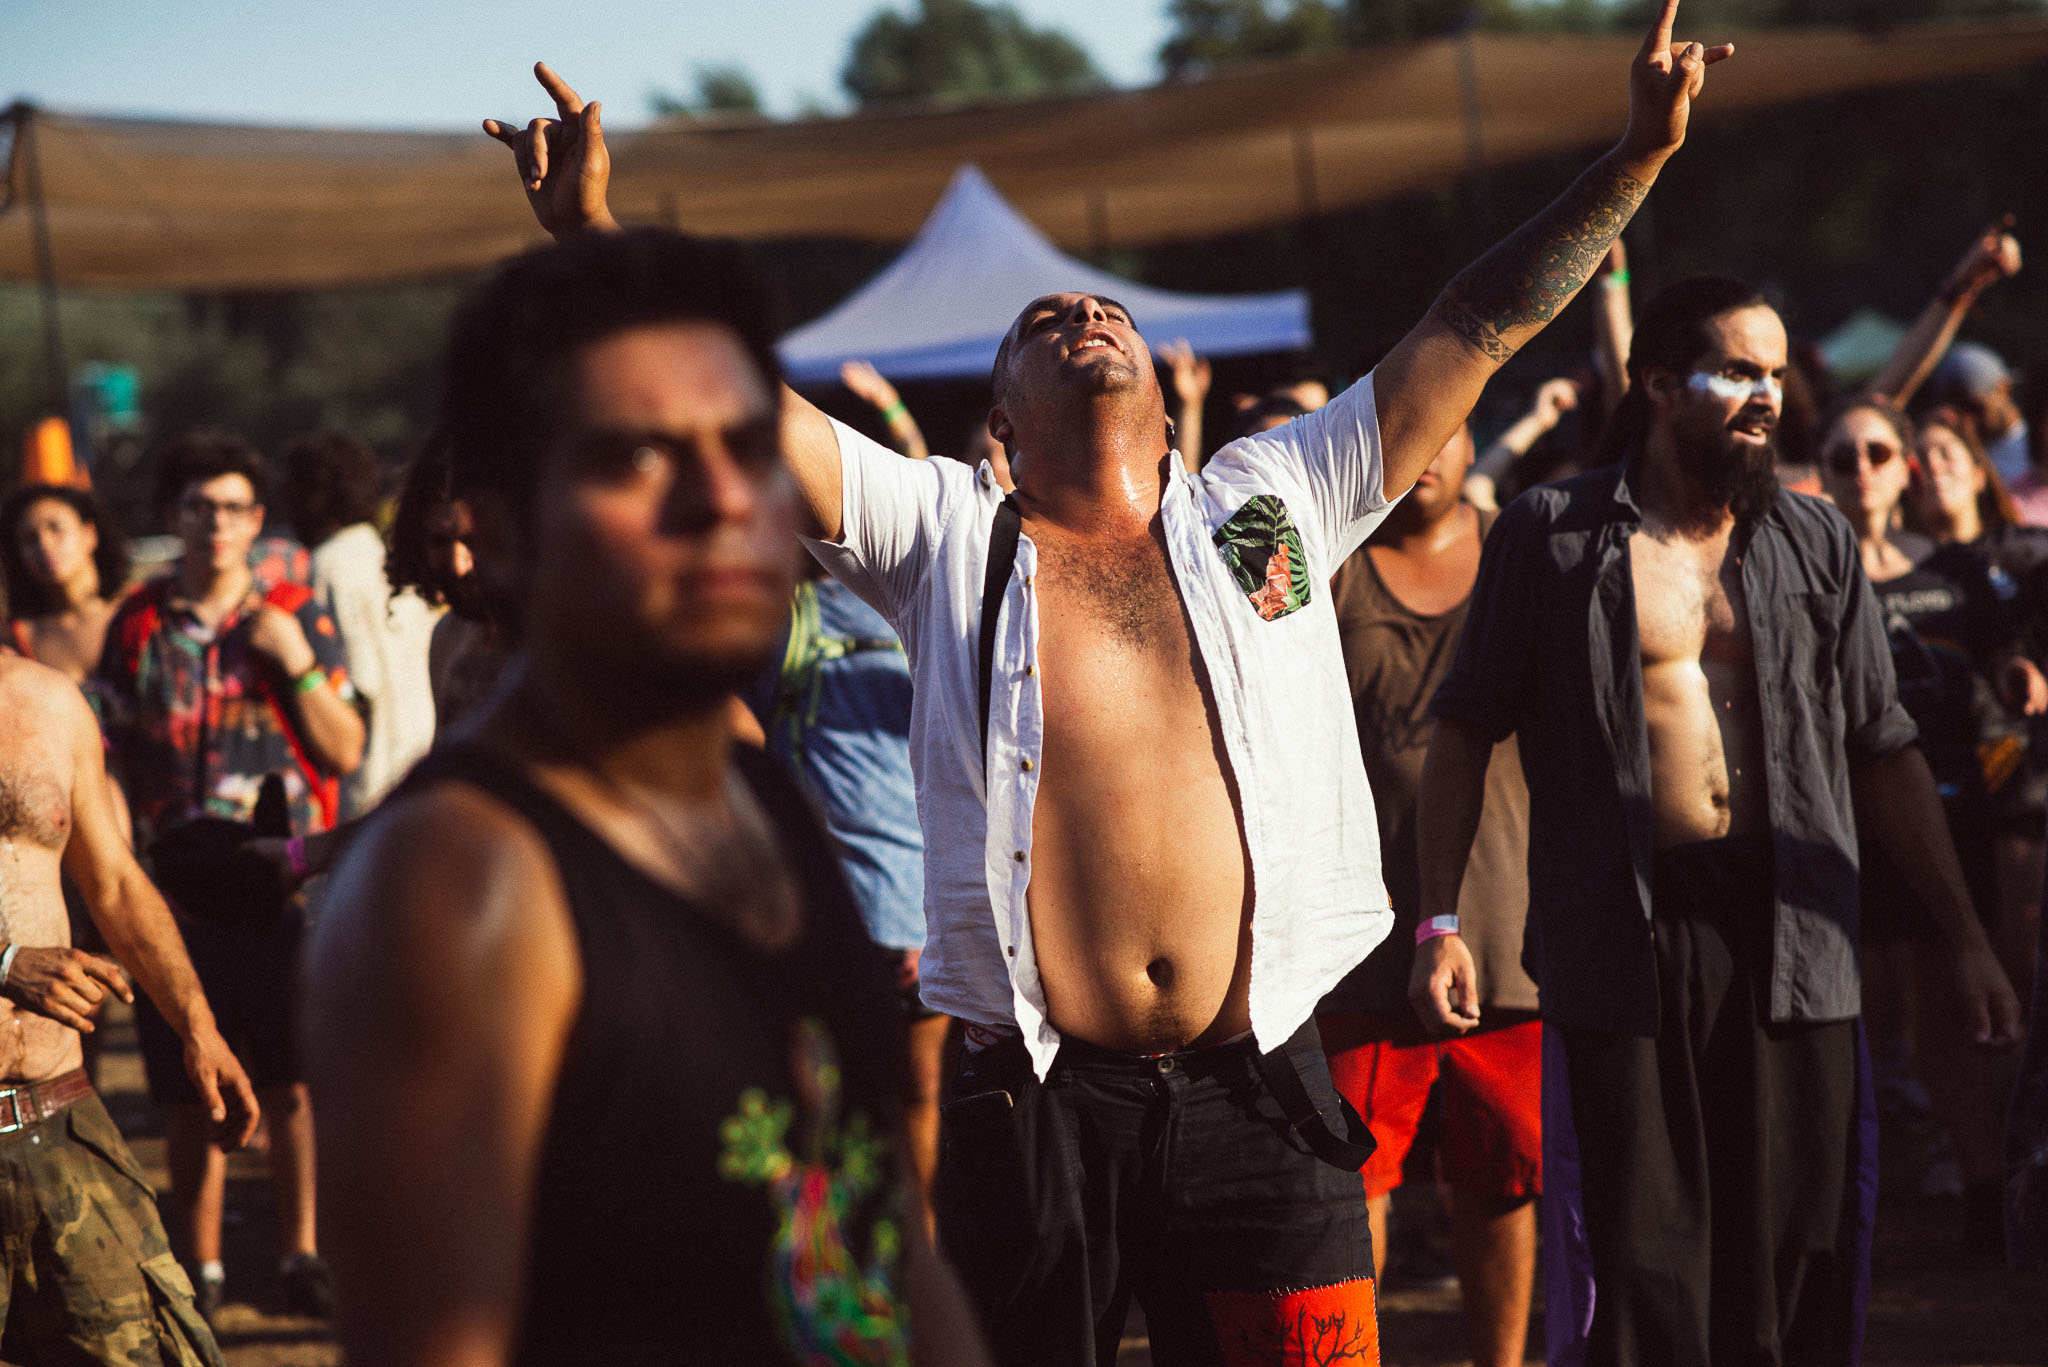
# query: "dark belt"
{"type": "Point", "coordinates": [36, 1102]}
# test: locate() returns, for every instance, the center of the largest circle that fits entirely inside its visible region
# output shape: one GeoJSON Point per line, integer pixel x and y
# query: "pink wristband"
{"type": "Point", "coordinates": [1435, 926]}
{"type": "Point", "coordinates": [295, 856]}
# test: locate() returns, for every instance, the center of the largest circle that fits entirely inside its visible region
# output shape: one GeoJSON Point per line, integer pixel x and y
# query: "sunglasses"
{"type": "Point", "coordinates": [1843, 459]}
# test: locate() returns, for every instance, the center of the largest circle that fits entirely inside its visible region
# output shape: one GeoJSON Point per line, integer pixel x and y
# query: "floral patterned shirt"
{"type": "Point", "coordinates": [196, 717]}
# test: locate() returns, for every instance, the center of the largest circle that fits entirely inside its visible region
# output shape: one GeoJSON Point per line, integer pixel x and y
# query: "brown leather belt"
{"type": "Point", "coordinates": [36, 1102]}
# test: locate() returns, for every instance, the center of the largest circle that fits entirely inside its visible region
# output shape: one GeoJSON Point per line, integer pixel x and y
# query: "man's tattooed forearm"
{"type": "Point", "coordinates": [1528, 278]}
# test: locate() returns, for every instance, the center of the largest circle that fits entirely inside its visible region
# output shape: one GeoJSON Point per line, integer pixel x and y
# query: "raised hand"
{"type": "Point", "coordinates": [1553, 400]}
{"type": "Point", "coordinates": [1190, 372]}
{"type": "Point", "coordinates": [562, 162]}
{"type": "Point", "coordinates": [868, 385]}
{"type": "Point", "coordinates": [1993, 257]}
{"type": "Point", "coordinates": [1664, 81]}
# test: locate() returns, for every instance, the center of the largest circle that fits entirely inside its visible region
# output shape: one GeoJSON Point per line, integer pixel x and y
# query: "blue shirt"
{"type": "Point", "coordinates": [837, 714]}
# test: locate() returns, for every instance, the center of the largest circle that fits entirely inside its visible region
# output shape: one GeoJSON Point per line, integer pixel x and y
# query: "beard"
{"type": "Point", "coordinates": [1741, 477]}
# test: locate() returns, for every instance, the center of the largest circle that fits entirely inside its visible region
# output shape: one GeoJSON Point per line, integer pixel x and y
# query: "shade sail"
{"type": "Point", "coordinates": [941, 308]}
{"type": "Point", "coordinates": [141, 203]}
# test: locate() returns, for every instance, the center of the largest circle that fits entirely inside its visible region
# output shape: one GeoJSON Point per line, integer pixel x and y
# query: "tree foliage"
{"type": "Point", "coordinates": [961, 49]}
{"type": "Point", "coordinates": [720, 90]}
{"type": "Point", "coordinates": [1207, 34]}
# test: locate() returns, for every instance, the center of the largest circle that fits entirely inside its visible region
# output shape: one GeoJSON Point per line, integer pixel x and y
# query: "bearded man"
{"type": "Point", "coordinates": [1695, 668]}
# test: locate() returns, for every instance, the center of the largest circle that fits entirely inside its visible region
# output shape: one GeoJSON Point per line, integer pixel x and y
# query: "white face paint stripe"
{"type": "Point", "coordinates": [1729, 389]}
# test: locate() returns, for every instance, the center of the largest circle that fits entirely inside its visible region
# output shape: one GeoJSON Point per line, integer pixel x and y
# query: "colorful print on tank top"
{"type": "Point", "coordinates": [1262, 547]}
{"type": "Point", "coordinates": [833, 1307]}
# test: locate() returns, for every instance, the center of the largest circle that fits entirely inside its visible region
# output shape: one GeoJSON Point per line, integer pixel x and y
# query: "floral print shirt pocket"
{"type": "Point", "coordinates": [1263, 549]}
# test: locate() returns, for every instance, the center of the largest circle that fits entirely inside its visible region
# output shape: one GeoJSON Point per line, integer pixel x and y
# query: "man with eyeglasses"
{"type": "Point", "coordinates": [214, 680]}
{"type": "Point", "coordinates": [1695, 669]}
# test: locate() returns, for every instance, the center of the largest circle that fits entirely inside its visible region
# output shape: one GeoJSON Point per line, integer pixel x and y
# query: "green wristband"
{"type": "Point", "coordinates": [1616, 280]}
{"type": "Point", "coordinates": [310, 680]}
{"type": "Point", "coordinates": [894, 411]}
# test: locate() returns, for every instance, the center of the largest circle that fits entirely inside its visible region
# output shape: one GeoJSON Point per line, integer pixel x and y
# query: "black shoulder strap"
{"type": "Point", "coordinates": [1002, 557]}
{"type": "Point", "coordinates": [1348, 1152]}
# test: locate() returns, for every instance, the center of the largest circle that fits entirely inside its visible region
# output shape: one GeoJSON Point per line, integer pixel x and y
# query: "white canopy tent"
{"type": "Point", "coordinates": [941, 308]}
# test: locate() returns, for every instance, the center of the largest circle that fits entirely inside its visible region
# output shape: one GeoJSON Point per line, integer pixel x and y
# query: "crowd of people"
{"type": "Point", "coordinates": [695, 883]}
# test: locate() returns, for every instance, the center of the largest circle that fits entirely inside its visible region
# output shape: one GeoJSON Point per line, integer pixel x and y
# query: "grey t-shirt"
{"type": "Point", "coordinates": [1394, 658]}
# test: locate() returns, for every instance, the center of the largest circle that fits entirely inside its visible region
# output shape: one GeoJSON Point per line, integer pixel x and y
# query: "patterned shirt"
{"type": "Point", "coordinates": [197, 717]}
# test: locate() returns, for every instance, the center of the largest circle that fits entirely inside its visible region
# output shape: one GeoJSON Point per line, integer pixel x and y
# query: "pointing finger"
{"type": "Point", "coordinates": [1660, 36]}
{"type": "Point", "coordinates": [567, 101]}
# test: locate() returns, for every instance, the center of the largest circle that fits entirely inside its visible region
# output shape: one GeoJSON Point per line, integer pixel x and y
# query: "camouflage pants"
{"type": "Point", "coordinates": [86, 1275]}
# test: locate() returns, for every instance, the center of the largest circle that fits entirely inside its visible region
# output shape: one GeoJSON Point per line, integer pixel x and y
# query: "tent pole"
{"type": "Point", "coordinates": [1475, 149]}
{"type": "Point", "coordinates": [46, 267]}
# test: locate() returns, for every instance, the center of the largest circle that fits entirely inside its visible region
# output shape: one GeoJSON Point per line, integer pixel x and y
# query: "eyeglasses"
{"type": "Point", "coordinates": [1843, 459]}
{"type": "Point", "coordinates": [201, 509]}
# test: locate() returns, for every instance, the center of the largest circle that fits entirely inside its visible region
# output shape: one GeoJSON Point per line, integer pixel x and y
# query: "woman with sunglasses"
{"type": "Point", "coordinates": [1950, 637]}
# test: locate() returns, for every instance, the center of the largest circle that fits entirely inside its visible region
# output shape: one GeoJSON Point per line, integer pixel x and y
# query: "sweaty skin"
{"type": "Point", "coordinates": [1698, 659]}
{"type": "Point", "coordinates": [1699, 687]}
{"type": "Point", "coordinates": [57, 817]}
{"type": "Point", "coordinates": [35, 824]}
{"type": "Point", "coordinates": [1138, 898]}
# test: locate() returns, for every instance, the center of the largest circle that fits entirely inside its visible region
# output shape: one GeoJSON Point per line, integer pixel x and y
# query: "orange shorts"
{"type": "Point", "coordinates": [1493, 1098]}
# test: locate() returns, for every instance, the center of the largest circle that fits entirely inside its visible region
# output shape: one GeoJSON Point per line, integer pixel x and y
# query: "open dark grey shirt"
{"type": "Point", "coordinates": [1550, 653]}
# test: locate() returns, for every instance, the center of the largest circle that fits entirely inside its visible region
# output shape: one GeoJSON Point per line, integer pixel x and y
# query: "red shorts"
{"type": "Point", "coordinates": [1493, 1098]}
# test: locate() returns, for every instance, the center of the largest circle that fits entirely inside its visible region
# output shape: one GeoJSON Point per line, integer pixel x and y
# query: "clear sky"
{"type": "Point", "coordinates": [434, 64]}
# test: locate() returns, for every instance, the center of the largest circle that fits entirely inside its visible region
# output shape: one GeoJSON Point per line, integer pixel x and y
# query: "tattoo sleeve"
{"type": "Point", "coordinates": [1525, 280]}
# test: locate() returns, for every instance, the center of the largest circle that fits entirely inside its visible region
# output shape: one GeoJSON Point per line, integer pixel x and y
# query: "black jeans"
{"type": "Point", "coordinates": [1175, 1179]}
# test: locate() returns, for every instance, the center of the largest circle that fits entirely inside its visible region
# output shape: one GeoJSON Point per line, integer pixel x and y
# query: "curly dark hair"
{"type": "Point", "coordinates": [28, 596]}
{"type": "Point", "coordinates": [331, 481]}
{"type": "Point", "coordinates": [429, 482]}
{"type": "Point", "coordinates": [206, 453]}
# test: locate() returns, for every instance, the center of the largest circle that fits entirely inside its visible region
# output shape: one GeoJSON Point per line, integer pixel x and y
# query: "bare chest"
{"type": "Point", "coordinates": [1097, 595]}
{"type": "Point", "coordinates": [35, 794]}
{"type": "Point", "coordinates": [1689, 600]}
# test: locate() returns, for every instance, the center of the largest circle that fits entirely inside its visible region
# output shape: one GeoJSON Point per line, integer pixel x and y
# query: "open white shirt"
{"type": "Point", "coordinates": [914, 544]}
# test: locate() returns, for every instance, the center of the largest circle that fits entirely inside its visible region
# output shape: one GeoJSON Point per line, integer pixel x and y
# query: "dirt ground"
{"type": "Point", "coordinates": [1930, 1305]}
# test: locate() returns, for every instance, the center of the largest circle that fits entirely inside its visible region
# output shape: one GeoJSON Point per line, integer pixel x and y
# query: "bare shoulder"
{"type": "Point", "coordinates": [446, 885]}
{"type": "Point", "coordinates": [43, 700]}
{"type": "Point", "coordinates": [25, 683]}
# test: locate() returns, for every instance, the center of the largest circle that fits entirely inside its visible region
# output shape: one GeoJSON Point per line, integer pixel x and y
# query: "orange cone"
{"type": "Point", "coordinates": [46, 456]}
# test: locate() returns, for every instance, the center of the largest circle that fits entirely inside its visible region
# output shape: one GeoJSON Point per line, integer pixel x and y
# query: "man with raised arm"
{"type": "Point", "coordinates": [1150, 844]}
{"type": "Point", "coordinates": [1696, 671]}
{"type": "Point", "coordinates": [86, 1274]}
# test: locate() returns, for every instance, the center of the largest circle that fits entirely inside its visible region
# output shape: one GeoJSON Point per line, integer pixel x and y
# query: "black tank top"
{"type": "Point", "coordinates": [719, 1180]}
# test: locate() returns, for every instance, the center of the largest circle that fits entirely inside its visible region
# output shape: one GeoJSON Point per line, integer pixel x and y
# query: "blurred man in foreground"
{"type": "Point", "coordinates": [608, 1070]}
